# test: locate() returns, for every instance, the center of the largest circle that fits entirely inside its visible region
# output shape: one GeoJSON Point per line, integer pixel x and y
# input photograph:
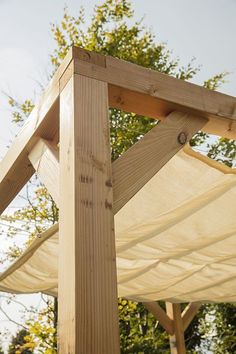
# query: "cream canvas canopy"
{"type": "Point", "coordinates": [175, 239]}
{"type": "Point", "coordinates": [156, 224]}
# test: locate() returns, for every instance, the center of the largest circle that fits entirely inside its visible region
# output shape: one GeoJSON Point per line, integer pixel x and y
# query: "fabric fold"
{"type": "Point", "coordinates": [175, 239]}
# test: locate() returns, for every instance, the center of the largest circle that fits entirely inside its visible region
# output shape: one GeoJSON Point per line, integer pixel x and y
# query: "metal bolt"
{"type": "Point", "coordinates": [182, 138]}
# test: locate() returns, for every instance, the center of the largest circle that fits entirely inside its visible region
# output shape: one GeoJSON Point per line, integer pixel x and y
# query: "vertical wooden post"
{"type": "Point", "coordinates": [177, 343]}
{"type": "Point", "coordinates": [88, 311]}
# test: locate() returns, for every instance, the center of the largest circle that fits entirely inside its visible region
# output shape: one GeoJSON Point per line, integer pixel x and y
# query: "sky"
{"type": "Point", "coordinates": [204, 29]}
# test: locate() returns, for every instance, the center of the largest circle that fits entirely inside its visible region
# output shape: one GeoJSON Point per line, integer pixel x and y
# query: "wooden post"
{"type": "Point", "coordinates": [88, 311]}
{"type": "Point", "coordinates": [177, 343]}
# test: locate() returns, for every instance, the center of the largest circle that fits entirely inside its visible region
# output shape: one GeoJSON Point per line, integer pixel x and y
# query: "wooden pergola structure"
{"type": "Point", "coordinates": [73, 114]}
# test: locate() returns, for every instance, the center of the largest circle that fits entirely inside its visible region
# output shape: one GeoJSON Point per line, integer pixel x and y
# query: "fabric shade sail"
{"type": "Point", "coordinates": [175, 239]}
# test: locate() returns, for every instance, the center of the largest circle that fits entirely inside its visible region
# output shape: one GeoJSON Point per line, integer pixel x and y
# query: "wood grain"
{"type": "Point", "coordinates": [15, 167]}
{"type": "Point", "coordinates": [154, 107]}
{"type": "Point", "coordinates": [132, 86]}
{"type": "Point", "coordinates": [177, 343]}
{"type": "Point", "coordinates": [88, 311]}
{"type": "Point", "coordinates": [143, 160]}
{"type": "Point", "coordinates": [135, 167]}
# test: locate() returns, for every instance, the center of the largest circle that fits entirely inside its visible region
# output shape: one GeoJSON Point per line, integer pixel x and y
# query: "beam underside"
{"type": "Point", "coordinates": [148, 92]}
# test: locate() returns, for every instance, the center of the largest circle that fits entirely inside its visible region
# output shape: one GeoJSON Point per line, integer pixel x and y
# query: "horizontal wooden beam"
{"type": "Point", "coordinates": [133, 88]}
{"type": "Point", "coordinates": [189, 313]}
{"type": "Point", "coordinates": [145, 158]}
{"type": "Point", "coordinates": [153, 107]}
{"type": "Point", "coordinates": [161, 316]}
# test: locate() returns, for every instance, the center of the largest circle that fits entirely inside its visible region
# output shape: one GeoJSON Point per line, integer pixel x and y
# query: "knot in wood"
{"type": "Point", "coordinates": [86, 56]}
{"type": "Point", "coordinates": [182, 138]}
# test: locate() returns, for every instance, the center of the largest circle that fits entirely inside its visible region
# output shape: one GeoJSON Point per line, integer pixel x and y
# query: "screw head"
{"type": "Point", "coordinates": [182, 138]}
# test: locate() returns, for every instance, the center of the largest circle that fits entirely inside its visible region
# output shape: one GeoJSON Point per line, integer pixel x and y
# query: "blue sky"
{"type": "Point", "coordinates": [204, 29]}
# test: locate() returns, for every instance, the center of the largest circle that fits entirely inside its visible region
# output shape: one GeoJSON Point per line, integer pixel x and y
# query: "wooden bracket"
{"type": "Point", "coordinates": [44, 157]}
{"type": "Point", "coordinates": [135, 167]}
{"type": "Point", "coordinates": [174, 322]}
{"type": "Point", "coordinates": [189, 313]}
{"type": "Point", "coordinates": [164, 320]}
{"type": "Point", "coordinates": [144, 159]}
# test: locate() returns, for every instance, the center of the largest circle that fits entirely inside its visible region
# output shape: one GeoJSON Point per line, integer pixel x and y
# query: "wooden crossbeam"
{"type": "Point", "coordinates": [147, 92]}
{"type": "Point", "coordinates": [153, 107]}
{"type": "Point", "coordinates": [161, 316]}
{"type": "Point", "coordinates": [189, 313]}
{"type": "Point", "coordinates": [131, 88]}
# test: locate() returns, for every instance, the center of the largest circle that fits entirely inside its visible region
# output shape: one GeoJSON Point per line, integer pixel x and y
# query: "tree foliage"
{"type": "Point", "coordinates": [139, 330]}
{"type": "Point", "coordinates": [19, 343]}
{"type": "Point", "coordinates": [113, 31]}
{"type": "Point", "coordinates": [224, 339]}
{"type": "Point", "coordinates": [42, 331]}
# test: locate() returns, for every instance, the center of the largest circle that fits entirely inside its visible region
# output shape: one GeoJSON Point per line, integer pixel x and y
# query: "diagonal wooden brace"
{"type": "Point", "coordinates": [161, 316]}
{"type": "Point", "coordinates": [136, 166]}
{"type": "Point", "coordinates": [189, 313]}
{"type": "Point", "coordinates": [145, 158]}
